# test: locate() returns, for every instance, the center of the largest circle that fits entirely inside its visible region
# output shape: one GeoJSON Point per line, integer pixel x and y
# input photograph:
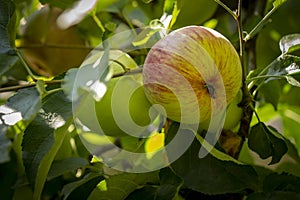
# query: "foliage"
{"type": "Point", "coordinates": [43, 150]}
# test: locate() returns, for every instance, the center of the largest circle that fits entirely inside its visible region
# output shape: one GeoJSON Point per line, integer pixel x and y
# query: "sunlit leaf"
{"type": "Point", "coordinates": [146, 34]}
{"type": "Point", "coordinates": [26, 101]}
{"type": "Point", "coordinates": [291, 80]}
{"type": "Point", "coordinates": [168, 6]}
{"type": "Point", "coordinates": [290, 43]}
{"type": "Point", "coordinates": [278, 3]}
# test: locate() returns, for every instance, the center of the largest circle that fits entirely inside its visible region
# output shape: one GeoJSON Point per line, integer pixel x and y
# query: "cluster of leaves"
{"type": "Point", "coordinates": [43, 157]}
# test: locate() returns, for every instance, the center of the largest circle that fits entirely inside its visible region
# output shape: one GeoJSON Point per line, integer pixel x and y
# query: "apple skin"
{"type": "Point", "coordinates": [138, 108]}
{"type": "Point", "coordinates": [205, 60]}
{"type": "Point", "coordinates": [116, 96]}
{"type": "Point", "coordinates": [234, 114]}
{"type": "Point", "coordinates": [41, 29]}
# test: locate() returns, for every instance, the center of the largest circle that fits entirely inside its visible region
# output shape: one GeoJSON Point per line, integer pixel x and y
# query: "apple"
{"type": "Point", "coordinates": [124, 109]}
{"type": "Point", "coordinates": [48, 49]}
{"type": "Point", "coordinates": [234, 114]}
{"type": "Point", "coordinates": [193, 73]}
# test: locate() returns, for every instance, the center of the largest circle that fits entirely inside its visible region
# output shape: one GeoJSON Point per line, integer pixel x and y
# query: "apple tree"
{"type": "Point", "coordinates": [149, 99]}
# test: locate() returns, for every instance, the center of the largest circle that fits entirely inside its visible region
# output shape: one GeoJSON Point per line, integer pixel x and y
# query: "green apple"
{"type": "Point", "coordinates": [124, 109]}
{"type": "Point", "coordinates": [120, 112]}
{"type": "Point", "coordinates": [48, 49]}
{"type": "Point", "coordinates": [193, 71]}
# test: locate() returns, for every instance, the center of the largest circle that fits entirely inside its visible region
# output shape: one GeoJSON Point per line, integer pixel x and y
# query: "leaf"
{"type": "Point", "coordinates": [281, 182]}
{"type": "Point", "coordinates": [5, 145]}
{"type": "Point", "coordinates": [278, 186]}
{"type": "Point", "coordinates": [222, 176]}
{"type": "Point", "coordinates": [47, 159]}
{"type": "Point", "coordinates": [90, 77]}
{"type": "Point", "coordinates": [149, 32]}
{"type": "Point", "coordinates": [290, 43]}
{"type": "Point", "coordinates": [278, 195]}
{"type": "Point", "coordinates": [121, 185]}
{"type": "Point", "coordinates": [8, 55]}
{"type": "Point", "coordinates": [285, 66]}
{"type": "Point", "coordinates": [260, 25]}
{"type": "Point", "coordinates": [271, 92]}
{"type": "Point", "coordinates": [263, 141]}
{"type": "Point", "coordinates": [59, 104]}
{"type": "Point", "coordinates": [169, 6]}
{"type": "Point", "coordinates": [291, 80]}
{"type": "Point", "coordinates": [170, 184]}
{"type": "Point", "coordinates": [27, 101]}
{"type": "Point", "coordinates": [145, 193]}
{"type": "Point", "coordinates": [37, 141]}
{"type": "Point", "coordinates": [9, 175]}
{"type": "Point", "coordinates": [57, 3]}
{"type": "Point", "coordinates": [60, 167]}
{"type": "Point", "coordinates": [81, 189]}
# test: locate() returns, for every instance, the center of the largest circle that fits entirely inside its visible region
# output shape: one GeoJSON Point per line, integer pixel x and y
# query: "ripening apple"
{"type": "Point", "coordinates": [48, 49]}
{"type": "Point", "coordinates": [124, 107]}
{"type": "Point", "coordinates": [234, 114]}
{"type": "Point", "coordinates": [193, 71]}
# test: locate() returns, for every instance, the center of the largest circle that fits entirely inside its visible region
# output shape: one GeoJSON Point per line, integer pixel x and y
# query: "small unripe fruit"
{"type": "Point", "coordinates": [48, 49]}
{"type": "Point", "coordinates": [124, 108]}
{"type": "Point", "coordinates": [193, 71]}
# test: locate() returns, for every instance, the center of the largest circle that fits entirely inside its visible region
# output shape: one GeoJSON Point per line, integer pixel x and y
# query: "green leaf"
{"type": "Point", "coordinates": [145, 193]}
{"type": "Point", "coordinates": [60, 167]}
{"type": "Point", "coordinates": [281, 182]}
{"type": "Point", "coordinates": [8, 55]}
{"type": "Point", "coordinates": [47, 159]}
{"type": "Point", "coordinates": [121, 185]}
{"type": "Point", "coordinates": [91, 77]}
{"type": "Point", "coordinates": [194, 12]}
{"type": "Point", "coordinates": [59, 104]}
{"type": "Point", "coordinates": [5, 145]}
{"type": "Point", "coordinates": [27, 101]}
{"type": "Point", "coordinates": [266, 142]}
{"type": "Point", "coordinates": [57, 3]}
{"type": "Point", "coordinates": [290, 43]}
{"type": "Point", "coordinates": [169, 6]}
{"type": "Point", "coordinates": [37, 141]}
{"type": "Point", "coordinates": [148, 33]}
{"type": "Point", "coordinates": [285, 66]}
{"type": "Point", "coordinates": [170, 184]}
{"type": "Point", "coordinates": [222, 176]}
{"type": "Point", "coordinates": [9, 175]}
{"type": "Point", "coordinates": [81, 189]}
{"type": "Point", "coordinates": [278, 3]}
{"type": "Point", "coordinates": [271, 92]}
{"type": "Point", "coordinates": [277, 195]}
{"type": "Point", "coordinates": [261, 24]}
